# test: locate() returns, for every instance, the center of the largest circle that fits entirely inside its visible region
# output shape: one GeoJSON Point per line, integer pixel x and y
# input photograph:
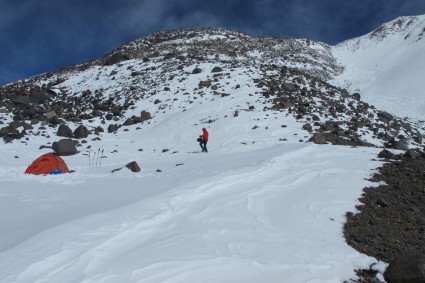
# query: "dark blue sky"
{"type": "Point", "coordinates": [44, 35]}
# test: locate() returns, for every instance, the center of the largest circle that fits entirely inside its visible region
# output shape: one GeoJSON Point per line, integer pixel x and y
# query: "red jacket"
{"type": "Point", "coordinates": [205, 134]}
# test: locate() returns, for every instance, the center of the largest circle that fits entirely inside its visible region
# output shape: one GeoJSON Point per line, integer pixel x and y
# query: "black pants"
{"type": "Point", "coordinates": [203, 145]}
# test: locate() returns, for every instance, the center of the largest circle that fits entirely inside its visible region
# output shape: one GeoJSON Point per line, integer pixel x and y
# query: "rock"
{"type": "Point", "coordinates": [128, 122]}
{"type": "Point", "coordinates": [115, 58]}
{"type": "Point", "coordinates": [408, 268]}
{"type": "Point", "coordinates": [45, 146]}
{"type": "Point", "coordinates": [145, 115]}
{"type": "Point", "coordinates": [115, 111]}
{"type": "Point", "coordinates": [24, 99]}
{"type": "Point", "coordinates": [81, 132]}
{"type": "Point", "coordinates": [386, 154]}
{"type": "Point", "coordinates": [197, 71]}
{"type": "Point", "coordinates": [401, 144]}
{"type": "Point", "coordinates": [49, 115]}
{"type": "Point", "coordinates": [318, 138]}
{"type": "Point", "coordinates": [38, 96]}
{"type": "Point", "coordinates": [112, 128]}
{"type": "Point", "coordinates": [307, 127]}
{"type": "Point", "coordinates": [99, 130]}
{"type": "Point", "coordinates": [412, 154]}
{"type": "Point", "coordinates": [55, 120]}
{"type": "Point", "coordinates": [133, 166]}
{"type": "Point", "coordinates": [289, 87]}
{"type": "Point", "coordinates": [9, 134]}
{"type": "Point", "coordinates": [65, 147]}
{"type": "Point", "coordinates": [64, 131]}
{"type": "Point", "coordinates": [16, 124]}
{"type": "Point", "coordinates": [356, 96]}
{"type": "Point", "coordinates": [385, 116]}
{"type": "Point", "coordinates": [216, 70]}
{"type": "Point", "coordinates": [206, 84]}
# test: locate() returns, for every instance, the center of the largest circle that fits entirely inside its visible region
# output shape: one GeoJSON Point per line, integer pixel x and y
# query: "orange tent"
{"type": "Point", "coordinates": [49, 163]}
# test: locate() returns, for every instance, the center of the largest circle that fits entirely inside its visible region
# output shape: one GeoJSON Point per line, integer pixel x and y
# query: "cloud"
{"type": "Point", "coordinates": [44, 35]}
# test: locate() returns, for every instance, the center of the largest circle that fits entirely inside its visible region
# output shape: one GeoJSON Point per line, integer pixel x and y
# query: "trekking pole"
{"type": "Point", "coordinates": [97, 160]}
{"type": "Point", "coordinates": [94, 156]}
{"type": "Point", "coordinates": [101, 157]}
{"type": "Point", "coordinates": [89, 158]}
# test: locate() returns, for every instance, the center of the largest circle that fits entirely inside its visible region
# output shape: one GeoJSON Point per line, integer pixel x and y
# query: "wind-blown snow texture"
{"type": "Point", "coordinates": [263, 205]}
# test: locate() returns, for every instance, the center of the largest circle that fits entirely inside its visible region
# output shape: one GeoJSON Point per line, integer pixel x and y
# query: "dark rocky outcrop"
{"type": "Point", "coordinates": [390, 225]}
{"type": "Point", "coordinates": [115, 58]}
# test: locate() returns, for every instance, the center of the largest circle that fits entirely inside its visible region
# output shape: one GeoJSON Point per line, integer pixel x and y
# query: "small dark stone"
{"type": "Point", "coordinates": [133, 166]}
{"type": "Point", "coordinates": [216, 70]}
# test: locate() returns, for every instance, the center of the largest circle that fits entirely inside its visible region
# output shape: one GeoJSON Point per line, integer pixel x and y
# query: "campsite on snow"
{"type": "Point", "coordinates": [103, 180]}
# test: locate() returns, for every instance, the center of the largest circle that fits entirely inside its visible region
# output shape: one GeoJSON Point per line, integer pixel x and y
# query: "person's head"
{"type": "Point", "coordinates": [203, 129]}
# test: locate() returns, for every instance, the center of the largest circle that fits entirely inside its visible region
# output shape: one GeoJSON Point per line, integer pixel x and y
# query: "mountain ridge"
{"type": "Point", "coordinates": [287, 75]}
{"type": "Point", "coordinates": [386, 66]}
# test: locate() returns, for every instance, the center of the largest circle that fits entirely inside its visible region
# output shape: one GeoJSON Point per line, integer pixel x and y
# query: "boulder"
{"type": "Point", "coordinates": [55, 120]}
{"type": "Point", "coordinates": [49, 115]}
{"type": "Point", "coordinates": [385, 116]}
{"type": "Point", "coordinates": [307, 127]}
{"type": "Point", "coordinates": [64, 131]}
{"type": "Point", "coordinates": [39, 96]}
{"type": "Point", "coordinates": [128, 122]}
{"type": "Point", "coordinates": [356, 96]}
{"type": "Point", "coordinates": [386, 154]}
{"type": "Point", "coordinates": [112, 128]}
{"type": "Point", "coordinates": [133, 166]}
{"type": "Point", "coordinates": [116, 58]}
{"type": "Point", "coordinates": [318, 138]}
{"type": "Point", "coordinates": [81, 132]}
{"type": "Point", "coordinates": [216, 70]}
{"type": "Point", "coordinates": [197, 71]}
{"type": "Point", "coordinates": [145, 115]}
{"type": "Point", "coordinates": [408, 268]}
{"type": "Point", "coordinates": [65, 147]}
{"type": "Point", "coordinates": [206, 84]}
{"type": "Point", "coordinates": [412, 154]}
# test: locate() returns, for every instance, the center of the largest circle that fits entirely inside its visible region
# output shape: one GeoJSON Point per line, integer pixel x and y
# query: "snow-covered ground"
{"type": "Point", "coordinates": [387, 69]}
{"type": "Point", "coordinates": [255, 208]}
{"type": "Point", "coordinates": [263, 205]}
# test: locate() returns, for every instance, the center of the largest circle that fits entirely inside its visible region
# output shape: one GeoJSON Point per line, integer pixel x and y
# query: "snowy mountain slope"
{"type": "Point", "coordinates": [387, 66]}
{"type": "Point", "coordinates": [265, 204]}
{"type": "Point", "coordinates": [255, 211]}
